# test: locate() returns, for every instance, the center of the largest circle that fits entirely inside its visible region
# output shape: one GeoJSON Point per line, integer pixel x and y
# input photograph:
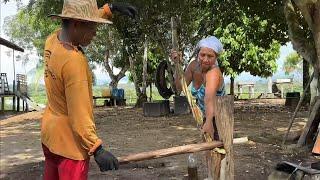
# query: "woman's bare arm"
{"type": "Point", "coordinates": [213, 81]}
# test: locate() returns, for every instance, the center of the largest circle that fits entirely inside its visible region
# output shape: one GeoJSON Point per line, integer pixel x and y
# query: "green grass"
{"type": "Point", "coordinates": [39, 95]}
{"type": "Point", "coordinates": [262, 88]}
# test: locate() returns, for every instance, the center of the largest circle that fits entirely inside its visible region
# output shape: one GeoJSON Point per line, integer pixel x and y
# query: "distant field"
{"type": "Point", "coordinates": [39, 96]}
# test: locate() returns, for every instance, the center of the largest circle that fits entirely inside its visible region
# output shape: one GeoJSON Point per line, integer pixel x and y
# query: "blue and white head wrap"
{"type": "Point", "coordinates": [211, 42]}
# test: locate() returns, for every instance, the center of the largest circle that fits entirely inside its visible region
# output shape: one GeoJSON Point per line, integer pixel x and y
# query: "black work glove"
{"type": "Point", "coordinates": [123, 8]}
{"type": "Point", "coordinates": [105, 160]}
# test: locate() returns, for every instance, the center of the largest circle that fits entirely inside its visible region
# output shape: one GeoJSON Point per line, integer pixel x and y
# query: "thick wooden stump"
{"type": "Point", "coordinates": [224, 114]}
{"type": "Point", "coordinates": [156, 108]}
{"type": "Point", "coordinates": [181, 105]}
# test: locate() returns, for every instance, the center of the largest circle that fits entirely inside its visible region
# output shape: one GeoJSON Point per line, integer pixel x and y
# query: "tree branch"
{"type": "Point", "coordinates": [107, 66]}
{"type": "Point", "coordinates": [305, 6]}
{"type": "Point", "coordinates": [122, 72]}
{"type": "Point", "coordinates": [296, 34]}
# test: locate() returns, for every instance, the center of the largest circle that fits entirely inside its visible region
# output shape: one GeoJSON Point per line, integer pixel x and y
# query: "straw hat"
{"type": "Point", "coordinates": [85, 10]}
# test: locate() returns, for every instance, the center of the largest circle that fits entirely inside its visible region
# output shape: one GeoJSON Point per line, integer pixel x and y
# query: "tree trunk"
{"type": "Point", "coordinates": [231, 85]}
{"type": "Point", "coordinates": [306, 77]}
{"type": "Point", "coordinates": [114, 78]}
{"type": "Point", "coordinates": [113, 84]}
{"type": "Point", "coordinates": [310, 10]}
{"type": "Point", "coordinates": [316, 33]}
{"type": "Point", "coordinates": [141, 98]}
{"type": "Point", "coordinates": [145, 66]}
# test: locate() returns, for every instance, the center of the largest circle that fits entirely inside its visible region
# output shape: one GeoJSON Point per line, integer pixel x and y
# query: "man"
{"type": "Point", "coordinates": [68, 132]}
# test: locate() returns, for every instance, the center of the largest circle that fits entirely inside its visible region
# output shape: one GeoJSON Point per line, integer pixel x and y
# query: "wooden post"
{"type": "Point", "coordinates": [253, 94]}
{"type": "Point", "coordinates": [250, 92]}
{"type": "Point", "coordinates": [14, 97]}
{"type": "Point", "coordinates": [270, 84]}
{"type": "Point", "coordinates": [18, 104]}
{"type": "Point", "coordinates": [2, 103]}
{"type": "Point", "coordinates": [224, 109]}
{"type": "Point", "coordinates": [145, 66]}
{"type": "Point", "coordinates": [18, 98]}
{"type": "Point", "coordinates": [312, 124]}
{"type": "Point", "coordinates": [150, 96]}
{"type": "Point", "coordinates": [175, 45]}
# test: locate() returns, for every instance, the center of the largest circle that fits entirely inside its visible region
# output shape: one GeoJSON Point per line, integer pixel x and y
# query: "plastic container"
{"type": "Point", "coordinates": [192, 167]}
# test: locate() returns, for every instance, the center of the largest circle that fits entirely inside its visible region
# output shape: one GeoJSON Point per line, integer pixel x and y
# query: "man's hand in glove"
{"type": "Point", "coordinates": [124, 9]}
{"type": "Point", "coordinates": [105, 160]}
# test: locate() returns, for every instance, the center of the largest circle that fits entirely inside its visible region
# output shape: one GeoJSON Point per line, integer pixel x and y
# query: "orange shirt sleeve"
{"type": "Point", "coordinates": [105, 12]}
{"type": "Point", "coordinates": [77, 92]}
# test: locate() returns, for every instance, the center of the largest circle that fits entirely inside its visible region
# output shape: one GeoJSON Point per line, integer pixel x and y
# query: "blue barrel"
{"type": "Point", "coordinates": [118, 93]}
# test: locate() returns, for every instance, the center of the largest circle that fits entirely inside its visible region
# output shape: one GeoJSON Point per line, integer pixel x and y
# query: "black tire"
{"type": "Point", "coordinates": [161, 83]}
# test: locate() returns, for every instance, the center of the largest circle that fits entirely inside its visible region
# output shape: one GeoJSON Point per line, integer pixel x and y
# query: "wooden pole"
{"type": "Point", "coordinates": [296, 110]}
{"type": "Point", "coordinates": [175, 45]}
{"type": "Point", "coordinates": [191, 148]}
{"type": "Point", "coordinates": [312, 124]}
{"type": "Point", "coordinates": [224, 110]}
{"type": "Point", "coordinates": [145, 65]}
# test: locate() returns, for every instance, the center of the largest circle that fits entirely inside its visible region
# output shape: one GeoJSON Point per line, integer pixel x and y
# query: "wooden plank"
{"type": "Point", "coordinates": [2, 103]}
{"type": "Point", "coordinates": [224, 114]}
{"type": "Point", "coordinates": [297, 109]}
{"type": "Point", "coordinates": [312, 124]}
{"type": "Point", "coordinates": [191, 148]}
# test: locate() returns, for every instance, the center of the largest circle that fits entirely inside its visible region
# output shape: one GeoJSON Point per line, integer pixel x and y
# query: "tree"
{"type": "Point", "coordinates": [303, 19]}
{"type": "Point", "coordinates": [241, 34]}
{"type": "Point", "coordinates": [107, 50]}
{"type": "Point", "coordinates": [292, 63]}
{"type": "Point", "coordinates": [295, 63]}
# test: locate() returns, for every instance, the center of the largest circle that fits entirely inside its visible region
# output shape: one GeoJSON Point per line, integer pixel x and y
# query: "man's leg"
{"type": "Point", "coordinates": [73, 169]}
{"type": "Point", "coordinates": [51, 165]}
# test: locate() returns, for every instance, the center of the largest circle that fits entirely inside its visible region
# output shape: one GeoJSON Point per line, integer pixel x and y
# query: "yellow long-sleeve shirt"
{"type": "Point", "coordinates": [68, 127]}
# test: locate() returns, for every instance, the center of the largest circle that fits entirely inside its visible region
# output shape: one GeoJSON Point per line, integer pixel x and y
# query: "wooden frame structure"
{"type": "Point", "coordinates": [249, 85]}
{"type": "Point", "coordinates": [15, 94]}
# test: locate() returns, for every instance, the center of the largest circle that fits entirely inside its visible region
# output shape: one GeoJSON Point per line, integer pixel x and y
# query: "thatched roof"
{"type": "Point", "coordinates": [10, 45]}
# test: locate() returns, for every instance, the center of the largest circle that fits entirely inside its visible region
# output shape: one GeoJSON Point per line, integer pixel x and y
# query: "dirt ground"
{"type": "Point", "coordinates": [127, 131]}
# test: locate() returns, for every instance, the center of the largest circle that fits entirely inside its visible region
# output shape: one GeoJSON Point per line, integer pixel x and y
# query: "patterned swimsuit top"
{"type": "Point", "coordinates": [200, 93]}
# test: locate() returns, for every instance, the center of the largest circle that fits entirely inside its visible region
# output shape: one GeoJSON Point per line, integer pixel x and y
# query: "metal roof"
{"type": "Point", "coordinates": [10, 45]}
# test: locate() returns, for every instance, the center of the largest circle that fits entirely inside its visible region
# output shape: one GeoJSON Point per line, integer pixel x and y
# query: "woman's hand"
{"type": "Point", "coordinates": [208, 128]}
{"type": "Point", "coordinates": [176, 56]}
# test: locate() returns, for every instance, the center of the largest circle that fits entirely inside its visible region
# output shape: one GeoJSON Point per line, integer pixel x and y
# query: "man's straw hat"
{"type": "Point", "coordinates": [83, 10]}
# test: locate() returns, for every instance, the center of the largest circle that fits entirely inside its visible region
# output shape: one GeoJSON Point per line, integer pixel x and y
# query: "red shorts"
{"type": "Point", "coordinates": [61, 168]}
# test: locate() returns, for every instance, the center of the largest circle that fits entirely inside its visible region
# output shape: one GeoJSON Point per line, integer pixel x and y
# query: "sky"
{"type": "Point", "coordinates": [6, 58]}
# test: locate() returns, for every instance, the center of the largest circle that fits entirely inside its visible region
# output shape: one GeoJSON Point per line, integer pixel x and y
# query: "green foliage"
{"type": "Point", "coordinates": [293, 62]}
{"type": "Point", "coordinates": [246, 39]}
{"type": "Point", "coordinates": [251, 32]}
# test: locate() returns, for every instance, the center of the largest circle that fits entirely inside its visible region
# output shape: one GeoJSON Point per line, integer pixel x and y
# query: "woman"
{"type": "Point", "coordinates": [207, 80]}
